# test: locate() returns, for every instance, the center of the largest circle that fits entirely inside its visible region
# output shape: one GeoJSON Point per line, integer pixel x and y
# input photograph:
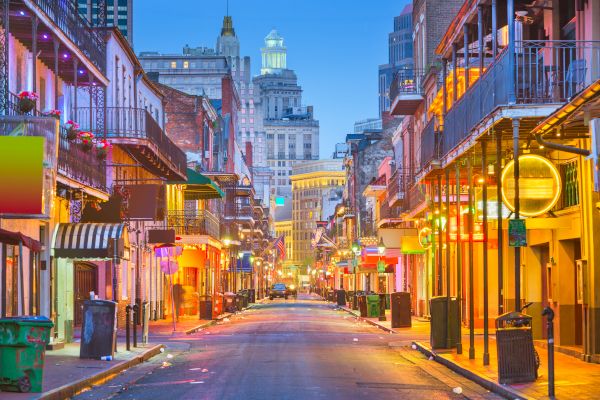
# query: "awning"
{"type": "Point", "coordinates": [200, 187]}
{"type": "Point", "coordinates": [411, 245]}
{"type": "Point", "coordinates": [88, 240]}
{"type": "Point", "coordinates": [15, 238]}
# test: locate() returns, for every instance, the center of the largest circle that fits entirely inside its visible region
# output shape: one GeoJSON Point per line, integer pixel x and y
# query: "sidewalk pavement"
{"type": "Point", "coordinates": [65, 374]}
{"type": "Point", "coordinates": [574, 379]}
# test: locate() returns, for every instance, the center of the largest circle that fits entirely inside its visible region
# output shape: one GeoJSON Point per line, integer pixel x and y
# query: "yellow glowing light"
{"type": "Point", "coordinates": [539, 185]}
{"type": "Point", "coordinates": [424, 237]}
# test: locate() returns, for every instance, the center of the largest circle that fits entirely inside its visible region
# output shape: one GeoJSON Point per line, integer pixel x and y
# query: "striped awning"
{"type": "Point", "coordinates": [89, 240]}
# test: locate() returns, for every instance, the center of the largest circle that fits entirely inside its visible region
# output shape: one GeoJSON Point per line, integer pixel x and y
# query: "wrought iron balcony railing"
{"type": "Point", "coordinates": [430, 144]}
{"type": "Point", "coordinates": [396, 188]}
{"type": "Point", "coordinates": [131, 123]}
{"type": "Point", "coordinates": [407, 81]}
{"type": "Point", "coordinates": [65, 15]}
{"type": "Point", "coordinates": [193, 222]}
{"type": "Point", "coordinates": [415, 197]}
{"type": "Point", "coordinates": [545, 72]}
{"type": "Point", "coordinates": [81, 166]}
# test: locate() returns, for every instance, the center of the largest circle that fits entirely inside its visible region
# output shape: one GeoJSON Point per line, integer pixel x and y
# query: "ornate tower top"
{"type": "Point", "coordinates": [274, 54]}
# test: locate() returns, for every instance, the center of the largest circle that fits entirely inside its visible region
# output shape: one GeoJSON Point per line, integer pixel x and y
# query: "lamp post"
{"type": "Point", "coordinates": [356, 252]}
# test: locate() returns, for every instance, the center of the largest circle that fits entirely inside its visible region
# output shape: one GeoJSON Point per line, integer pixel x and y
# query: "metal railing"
{"type": "Point", "coordinates": [545, 72]}
{"type": "Point", "coordinates": [430, 143]}
{"type": "Point", "coordinates": [239, 211]}
{"type": "Point", "coordinates": [65, 15]}
{"type": "Point", "coordinates": [134, 123]}
{"type": "Point", "coordinates": [407, 81]}
{"type": "Point", "coordinates": [193, 222]}
{"type": "Point", "coordinates": [415, 196]}
{"type": "Point", "coordinates": [396, 187]}
{"type": "Point", "coordinates": [569, 195]}
{"type": "Point", "coordinates": [79, 165]}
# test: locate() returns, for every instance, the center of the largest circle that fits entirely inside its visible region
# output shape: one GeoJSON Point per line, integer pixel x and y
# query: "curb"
{"type": "Point", "coordinates": [201, 326]}
{"type": "Point", "coordinates": [71, 389]}
{"type": "Point", "coordinates": [483, 381]}
{"type": "Point", "coordinates": [351, 312]}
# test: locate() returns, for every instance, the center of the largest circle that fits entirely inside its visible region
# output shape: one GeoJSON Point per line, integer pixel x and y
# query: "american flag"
{"type": "Point", "coordinates": [280, 246]}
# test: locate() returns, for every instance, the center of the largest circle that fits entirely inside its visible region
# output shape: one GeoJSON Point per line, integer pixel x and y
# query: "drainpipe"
{"type": "Point", "coordinates": [561, 147]}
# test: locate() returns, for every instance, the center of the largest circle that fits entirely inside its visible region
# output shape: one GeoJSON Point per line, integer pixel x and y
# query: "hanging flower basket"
{"type": "Point", "coordinates": [72, 128]}
{"type": "Point", "coordinates": [87, 143]}
{"type": "Point", "coordinates": [27, 101]}
{"type": "Point", "coordinates": [53, 113]}
{"type": "Point", "coordinates": [102, 148]}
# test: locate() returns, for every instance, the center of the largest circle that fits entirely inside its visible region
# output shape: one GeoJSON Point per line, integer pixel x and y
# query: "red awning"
{"type": "Point", "coordinates": [15, 238]}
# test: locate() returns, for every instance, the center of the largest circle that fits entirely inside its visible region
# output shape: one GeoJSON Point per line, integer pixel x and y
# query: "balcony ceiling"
{"type": "Point", "coordinates": [406, 104]}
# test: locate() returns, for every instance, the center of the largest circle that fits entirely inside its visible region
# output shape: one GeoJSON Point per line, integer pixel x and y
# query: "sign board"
{"type": "Point", "coordinates": [280, 201]}
{"type": "Point", "coordinates": [161, 236]}
{"type": "Point", "coordinates": [517, 233]}
{"type": "Point", "coordinates": [539, 185]}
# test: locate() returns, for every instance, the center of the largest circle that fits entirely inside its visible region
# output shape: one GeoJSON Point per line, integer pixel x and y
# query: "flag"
{"type": "Point", "coordinates": [280, 246]}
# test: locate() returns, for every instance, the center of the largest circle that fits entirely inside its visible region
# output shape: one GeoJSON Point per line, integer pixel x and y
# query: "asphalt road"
{"type": "Point", "coordinates": [294, 349]}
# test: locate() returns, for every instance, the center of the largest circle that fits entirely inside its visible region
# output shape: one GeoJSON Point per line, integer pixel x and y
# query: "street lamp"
{"type": "Point", "coordinates": [381, 247]}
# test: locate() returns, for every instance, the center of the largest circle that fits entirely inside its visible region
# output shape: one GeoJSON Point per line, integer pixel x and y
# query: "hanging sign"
{"type": "Point", "coordinates": [539, 185]}
{"type": "Point", "coordinates": [169, 267]}
{"type": "Point", "coordinates": [380, 266]}
{"type": "Point", "coordinates": [517, 233]}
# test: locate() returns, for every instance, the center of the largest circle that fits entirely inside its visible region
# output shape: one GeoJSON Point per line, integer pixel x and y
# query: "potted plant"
{"type": "Point", "coordinates": [27, 101]}
{"type": "Point", "coordinates": [53, 113]}
{"type": "Point", "coordinates": [102, 148]}
{"type": "Point", "coordinates": [86, 141]}
{"type": "Point", "coordinates": [72, 128]}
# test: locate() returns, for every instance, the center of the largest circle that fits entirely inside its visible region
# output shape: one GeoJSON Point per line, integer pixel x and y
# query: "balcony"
{"type": "Point", "coordinates": [396, 188]}
{"type": "Point", "coordinates": [136, 129]}
{"type": "Point", "coordinates": [80, 166]}
{"type": "Point", "coordinates": [415, 199]}
{"type": "Point", "coordinates": [406, 91]}
{"type": "Point", "coordinates": [61, 17]}
{"type": "Point", "coordinates": [547, 73]}
{"type": "Point", "coordinates": [240, 212]}
{"type": "Point", "coordinates": [193, 222]}
{"type": "Point", "coordinates": [430, 145]}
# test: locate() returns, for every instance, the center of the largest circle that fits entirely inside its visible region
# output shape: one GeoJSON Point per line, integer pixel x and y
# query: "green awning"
{"type": "Point", "coordinates": [200, 187]}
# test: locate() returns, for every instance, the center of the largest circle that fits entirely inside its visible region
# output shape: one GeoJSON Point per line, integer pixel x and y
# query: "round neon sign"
{"type": "Point", "coordinates": [539, 185]}
{"type": "Point", "coordinates": [424, 239]}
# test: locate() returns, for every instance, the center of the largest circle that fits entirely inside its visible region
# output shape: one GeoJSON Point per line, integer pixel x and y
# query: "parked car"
{"type": "Point", "coordinates": [278, 290]}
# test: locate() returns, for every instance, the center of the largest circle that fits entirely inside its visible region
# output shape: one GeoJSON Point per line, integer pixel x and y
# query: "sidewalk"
{"type": "Point", "coordinates": [574, 379]}
{"type": "Point", "coordinates": [65, 374]}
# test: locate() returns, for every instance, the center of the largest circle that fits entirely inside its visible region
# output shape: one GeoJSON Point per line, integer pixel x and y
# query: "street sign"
{"type": "Point", "coordinates": [517, 233]}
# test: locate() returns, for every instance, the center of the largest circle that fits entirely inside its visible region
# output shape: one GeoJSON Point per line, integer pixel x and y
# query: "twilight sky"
{"type": "Point", "coordinates": [334, 46]}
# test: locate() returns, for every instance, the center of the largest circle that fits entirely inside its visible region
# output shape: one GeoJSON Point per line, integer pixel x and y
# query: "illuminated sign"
{"type": "Point", "coordinates": [279, 201]}
{"type": "Point", "coordinates": [539, 185]}
{"type": "Point", "coordinates": [425, 237]}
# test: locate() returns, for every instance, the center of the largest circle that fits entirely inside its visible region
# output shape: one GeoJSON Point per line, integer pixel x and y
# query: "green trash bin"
{"type": "Point", "coordinates": [373, 306]}
{"type": "Point", "coordinates": [23, 343]}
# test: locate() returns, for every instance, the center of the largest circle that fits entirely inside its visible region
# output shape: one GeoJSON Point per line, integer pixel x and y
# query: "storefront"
{"type": "Point", "coordinates": [83, 265]}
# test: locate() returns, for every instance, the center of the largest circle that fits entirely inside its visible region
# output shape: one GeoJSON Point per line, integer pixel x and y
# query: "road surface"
{"type": "Point", "coordinates": [294, 349]}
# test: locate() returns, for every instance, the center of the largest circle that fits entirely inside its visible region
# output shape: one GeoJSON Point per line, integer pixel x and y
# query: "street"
{"type": "Point", "coordinates": [294, 349]}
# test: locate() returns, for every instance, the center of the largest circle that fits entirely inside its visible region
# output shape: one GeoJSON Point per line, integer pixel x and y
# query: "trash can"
{"type": "Point", "coordinates": [331, 296]}
{"type": "Point", "coordinates": [373, 305]}
{"type": "Point", "coordinates": [341, 297]}
{"type": "Point", "coordinates": [205, 305]}
{"type": "Point", "coordinates": [244, 299]}
{"type": "Point", "coordinates": [355, 305]}
{"type": "Point", "coordinates": [218, 306]}
{"type": "Point", "coordinates": [517, 358]}
{"type": "Point", "coordinates": [362, 305]}
{"type": "Point", "coordinates": [229, 303]}
{"type": "Point", "coordinates": [251, 295]}
{"type": "Point", "coordinates": [98, 329]}
{"type": "Point", "coordinates": [440, 338]}
{"type": "Point", "coordinates": [400, 310]}
{"type": "Point", "coordinates": [23, 343]}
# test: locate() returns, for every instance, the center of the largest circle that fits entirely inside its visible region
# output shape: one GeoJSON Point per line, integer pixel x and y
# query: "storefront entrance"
{"type": "Point", "coordinates": [86, 281]}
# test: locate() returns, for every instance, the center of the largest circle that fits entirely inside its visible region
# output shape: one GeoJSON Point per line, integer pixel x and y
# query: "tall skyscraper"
{"type": "Point", "coordinates": [117, 13]}
{"type": "Point", "coordinates": [400, 55]}
{"type": "Point", "coordinates": [292, 133]}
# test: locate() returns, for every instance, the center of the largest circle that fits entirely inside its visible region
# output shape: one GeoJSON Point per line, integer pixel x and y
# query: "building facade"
{"type": "Point", "coordinates": [400, 55]}
{"type": "Point", "coordinates": [317, 188]}
{"type": "Point", "coordinates": [290, 130]}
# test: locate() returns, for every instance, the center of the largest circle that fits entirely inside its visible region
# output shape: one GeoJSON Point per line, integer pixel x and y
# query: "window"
{"type": "Point", "coordinates": [186, 64]}
{"type": "Point", "coordinates": [173, 64]}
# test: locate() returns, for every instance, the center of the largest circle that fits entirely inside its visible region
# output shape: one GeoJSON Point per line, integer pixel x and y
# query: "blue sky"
{"type": "Point", "coordinates": [334, 46]}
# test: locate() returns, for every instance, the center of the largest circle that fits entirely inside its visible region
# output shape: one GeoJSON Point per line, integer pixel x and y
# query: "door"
{"type": "Point", "coordinates": [86, 281]}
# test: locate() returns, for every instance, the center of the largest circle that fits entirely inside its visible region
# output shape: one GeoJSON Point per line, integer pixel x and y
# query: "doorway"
{"type": "Point", "coordinates": [86, 281]}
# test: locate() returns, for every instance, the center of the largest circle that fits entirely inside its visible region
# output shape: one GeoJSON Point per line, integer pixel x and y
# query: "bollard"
{"type": "Point", "coordinates": [549, 314]}
{"type": "Point", "coordinates": [382, 307]}
{"type": "Point", "coordinates": [136, 316]}
{"type": "Point", "coordinates": [127, 328]}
